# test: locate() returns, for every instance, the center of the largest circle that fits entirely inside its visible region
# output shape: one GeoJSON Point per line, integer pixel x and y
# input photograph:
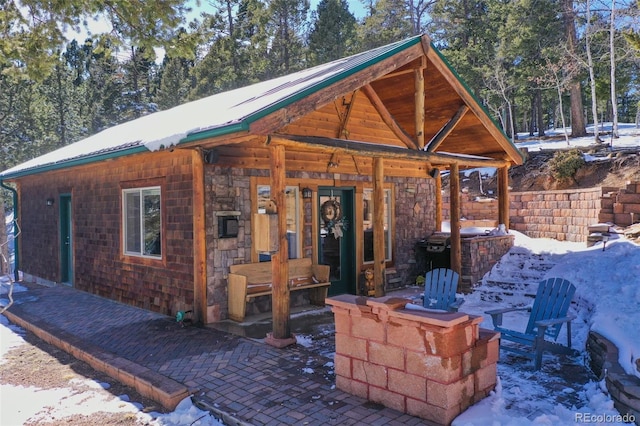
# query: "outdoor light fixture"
{"type": "Point", "coordinates": [306, 193]}
{"type": "Point", "coordinates": [434, 172]}
{"type": "Point", "coordinates": [49, 201]}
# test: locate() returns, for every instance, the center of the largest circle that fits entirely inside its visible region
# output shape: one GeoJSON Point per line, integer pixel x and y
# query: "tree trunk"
{"type": "Point", "coordinates": [592, 78]}
{"type": "Point", "coordinates": [614, 102]}
{"type": "Point", "coordinates": [578, 127]}
{"type": "Point", "coordinates": [532, 122]}
{"type": "Point", "coordinates": [539, 112]}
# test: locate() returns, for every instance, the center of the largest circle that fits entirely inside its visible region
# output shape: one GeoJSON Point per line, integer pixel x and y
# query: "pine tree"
{"type": "Point", "coordinates": [65, 99]}
{"type": "Point", "coordinates": [137, 85]}
{"type": "Point", "coordinates": [286, 28]}
{"type": "Point", "coordinates": [174, 84]}
{"type": "Point", "coordinates": [388, 21]}
{"type": "Point", "coordinates": [578, 125]}
{"type": "Point", "coordinates": [105, 85]}
{"type": "Point", "coordinates": [31, 29]}
{"type": "Point", "coordinates": [334, 32]}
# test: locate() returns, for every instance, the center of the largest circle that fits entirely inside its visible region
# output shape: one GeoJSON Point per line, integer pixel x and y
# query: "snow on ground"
{"type": "Point", "coordinates": [33, 405]}
{"type": "Point", "coordinates": [628, 132]}
{"type": "Point", "coordinates": [608, 293]}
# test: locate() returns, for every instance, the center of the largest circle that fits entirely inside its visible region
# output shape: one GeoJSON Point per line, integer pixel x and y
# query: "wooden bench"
{"type": "Point", "coordinates": [250, 280]}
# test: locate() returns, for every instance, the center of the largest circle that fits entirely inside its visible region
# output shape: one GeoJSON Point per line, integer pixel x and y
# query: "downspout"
{"type": "Point", "coordinates": [15, 230]}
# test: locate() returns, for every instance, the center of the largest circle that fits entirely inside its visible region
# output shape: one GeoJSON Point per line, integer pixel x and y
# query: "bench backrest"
{"type": "Point", "coordinates": [261, 272]}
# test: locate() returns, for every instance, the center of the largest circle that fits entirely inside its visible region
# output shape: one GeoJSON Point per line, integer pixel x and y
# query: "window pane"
{"type": "Point", "coordinates": [292, 201]}
{"type": "Point", "coordinates": [152, 222]}
{"type": "Point", "coordinates": [132, 222]}
{"type": "Point", "coordinates": [367, 209]}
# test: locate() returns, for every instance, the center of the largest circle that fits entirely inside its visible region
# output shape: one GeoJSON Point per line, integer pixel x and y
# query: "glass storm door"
{"type": "Point", "coordinates": [336, 239]}
{"type": "Point", "coordinates": [66, 241]}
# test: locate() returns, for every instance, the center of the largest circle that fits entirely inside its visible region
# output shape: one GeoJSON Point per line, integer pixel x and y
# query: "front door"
{"type": "Point", "coordinates": [336, 239]}
{"type": "Point", "coordinates": [66, 241]}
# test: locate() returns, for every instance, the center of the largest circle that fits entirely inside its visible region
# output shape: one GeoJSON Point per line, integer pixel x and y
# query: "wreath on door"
{"type": "Point", "coordinates": [331, 215]}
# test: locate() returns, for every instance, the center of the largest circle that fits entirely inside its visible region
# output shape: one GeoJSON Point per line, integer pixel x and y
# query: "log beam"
{"type": "Point", "coordinates": [297, 109]}
{"type": "Point", "coordinates": [438, 181]}
{"type": "Point", "coordinates": [419, 103]}
{"type": "Point", "coordinates": [328, 145]}
{"type": "Point", "coordinates": [441, 66]}
{"type": "Point", "coordinates": [387, 118]}
{"type": "Point", "coordinates": [199, 240]}
{"type": "Point", "coordinates": [446, 130]}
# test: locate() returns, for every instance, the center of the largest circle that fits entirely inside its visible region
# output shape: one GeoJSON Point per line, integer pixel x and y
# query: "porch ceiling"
{"type": "Point", "coordinates": [454, 122]}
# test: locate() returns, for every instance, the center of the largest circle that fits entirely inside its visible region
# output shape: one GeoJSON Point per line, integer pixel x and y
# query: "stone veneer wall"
{"type": "Point", "coordinates": [479, 254]}
{"type": "Point", "coordinates": [229, 189]}
{"type": "Point", "coordinates": [433, 366]}
{"type": "Point", "coordinates": [623, 388]}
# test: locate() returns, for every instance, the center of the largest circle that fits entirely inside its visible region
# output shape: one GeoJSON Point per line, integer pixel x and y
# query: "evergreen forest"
{"type": "Point", "coordinates": [534, 64]}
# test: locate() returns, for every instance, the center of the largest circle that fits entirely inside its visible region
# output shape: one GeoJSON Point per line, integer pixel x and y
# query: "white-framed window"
{"type": "Point", "coordinates": [292, 202]}
{"type": "Point", "coordinates": [367, 210]}
{"type": "Point", "coordinates": [142, 221]}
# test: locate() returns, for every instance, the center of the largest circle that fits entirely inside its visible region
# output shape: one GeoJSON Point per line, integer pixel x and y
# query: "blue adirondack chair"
{"type": "Point", "coordinates": [440, 287]}
{"type": "Point", "coordinates": [548, 313]}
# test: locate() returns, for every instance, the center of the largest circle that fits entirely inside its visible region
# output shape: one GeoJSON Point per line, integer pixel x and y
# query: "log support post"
{"type": "Point", "coordinates": [438, 185]}
{"type": "Point", "coordinates": [199, 241]}
{"type": "Point", "coordinates": [378, 226]}
{"type": "Point", "coordinates": [503, 196]}
{"type": "Point", "coordinates": [281, 335]}
{"type": "Point", "coordinates": [454, 206]}
{"type": "Point", "coordinates": [419, 101]}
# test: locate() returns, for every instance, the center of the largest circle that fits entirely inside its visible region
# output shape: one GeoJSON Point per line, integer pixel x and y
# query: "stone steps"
{"type": "Point", "coordinates": [515, 277]}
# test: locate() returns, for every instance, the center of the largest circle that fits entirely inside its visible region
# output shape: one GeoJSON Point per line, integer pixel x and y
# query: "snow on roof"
{"type": "Point", "coordinates": [224, 111]}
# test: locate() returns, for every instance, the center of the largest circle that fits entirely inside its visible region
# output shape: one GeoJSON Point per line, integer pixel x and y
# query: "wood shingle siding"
{"type": "Point", "coordinates": [164, 285]}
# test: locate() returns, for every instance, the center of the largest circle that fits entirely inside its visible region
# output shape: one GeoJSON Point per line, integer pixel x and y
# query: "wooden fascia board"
{"type": "Point", "coordinates": [470, 101]}
{"type": "Point", "coordinates": [221, 140]}
{"type": "Point", "coordinates": [363, 149]}
{"type": "Point", "coordinates": [387, 118]}
{"type": "Point", "coordinates": [278, 119]}
{"type": "Point", "coordinates": [446, 130]}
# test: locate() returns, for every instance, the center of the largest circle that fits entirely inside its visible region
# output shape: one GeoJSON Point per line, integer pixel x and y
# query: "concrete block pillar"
{"type": "Point", "coordinates": [426, 364]}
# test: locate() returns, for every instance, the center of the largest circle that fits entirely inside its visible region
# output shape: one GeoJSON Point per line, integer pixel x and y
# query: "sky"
{"type": "Point", "coordinates": [607, 300]}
